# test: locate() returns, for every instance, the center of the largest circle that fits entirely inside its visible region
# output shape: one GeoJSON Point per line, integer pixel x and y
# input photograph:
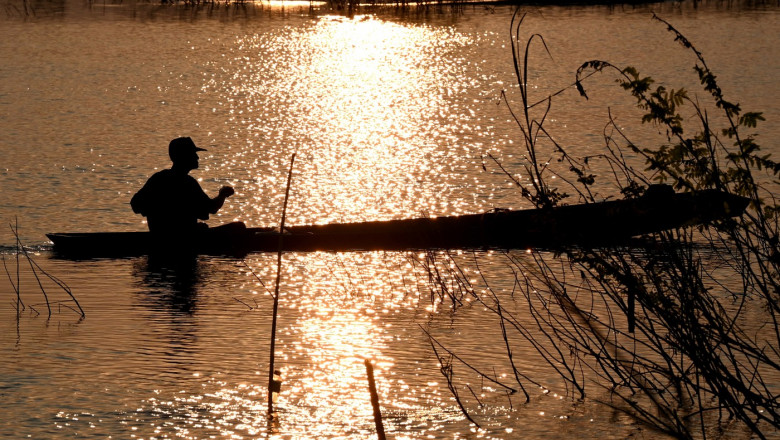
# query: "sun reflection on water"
{"type": "Point", "coordinates": [333, 336]}
{"type": "Point", "coordinates": [329, 325]}
{"type": "Point", "coordinates": [363, 103]}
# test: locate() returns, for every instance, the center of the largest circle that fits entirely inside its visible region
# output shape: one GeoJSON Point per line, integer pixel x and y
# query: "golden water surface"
{"type": "Point", "coordinates": [389, 116]}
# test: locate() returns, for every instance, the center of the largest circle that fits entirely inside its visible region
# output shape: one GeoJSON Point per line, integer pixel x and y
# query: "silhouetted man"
{"type": "Point", "coordinates": [171, 200]}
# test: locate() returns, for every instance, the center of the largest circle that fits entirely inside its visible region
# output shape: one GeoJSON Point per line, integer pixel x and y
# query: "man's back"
{"type": "Point", "coordinates": [172, 202]}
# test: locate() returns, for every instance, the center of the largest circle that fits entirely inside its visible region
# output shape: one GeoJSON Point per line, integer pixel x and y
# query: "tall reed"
{"type": "Point", "coordinates": [272, 382]}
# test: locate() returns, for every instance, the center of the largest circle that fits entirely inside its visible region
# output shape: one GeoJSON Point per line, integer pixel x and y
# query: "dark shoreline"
{"type": "Point", "coordinates": [240, 9]}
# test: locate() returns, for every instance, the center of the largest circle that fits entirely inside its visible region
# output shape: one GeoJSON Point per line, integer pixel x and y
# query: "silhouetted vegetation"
{"type": "Point", "coordinates": [43, 279]}
{"type": "Point", "coordinates": [679, 330]}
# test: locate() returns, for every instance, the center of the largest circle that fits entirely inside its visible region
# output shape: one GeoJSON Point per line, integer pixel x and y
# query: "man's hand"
{"type": "Point", "coordinates": [226, 191]}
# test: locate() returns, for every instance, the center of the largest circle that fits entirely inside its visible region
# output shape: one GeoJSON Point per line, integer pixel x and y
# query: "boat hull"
{"type": "Point", "coordinates": [594, 224]}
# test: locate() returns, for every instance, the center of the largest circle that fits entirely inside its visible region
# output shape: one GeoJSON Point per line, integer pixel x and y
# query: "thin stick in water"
{"type": "Point", "coordinates": [271, 386]}
{"type": "Point", "coordinates": [380, 429]}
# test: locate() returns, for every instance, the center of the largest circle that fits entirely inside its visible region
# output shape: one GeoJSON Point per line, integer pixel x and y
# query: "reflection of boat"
{"type": "Point", "coordinates": [593, 224]}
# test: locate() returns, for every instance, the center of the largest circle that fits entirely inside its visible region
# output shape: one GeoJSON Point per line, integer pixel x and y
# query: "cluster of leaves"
{"type": "Point", "coordinates": [725, 363]}
{"type": "Point", "coordinates": [701, 160]}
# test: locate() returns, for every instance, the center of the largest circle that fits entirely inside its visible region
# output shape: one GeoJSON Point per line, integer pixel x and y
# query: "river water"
{"type": "Point", "coordinates": [391, 114]}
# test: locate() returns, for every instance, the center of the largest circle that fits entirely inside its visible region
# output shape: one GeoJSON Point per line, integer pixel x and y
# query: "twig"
{"type": "Point", "coordinates": [447, 372]}
{"type": "Point", "coordinates": [247, 305]}
{"type": "Point", "coordinates": [432, 340]}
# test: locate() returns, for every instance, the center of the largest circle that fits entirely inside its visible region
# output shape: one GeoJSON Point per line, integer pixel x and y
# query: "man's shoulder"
{"type": "Point", "coordinates": [168, 180]}
{"type": "Point", "coordinates": [162, 174]}
{"type": "Point", "coordinates": [168, 175]}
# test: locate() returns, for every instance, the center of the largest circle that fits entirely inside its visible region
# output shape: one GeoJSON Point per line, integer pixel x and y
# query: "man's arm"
{"type": "Point", "coordinates": [140, 201]}
{"type": "Point", "coordinates": [219, 200]}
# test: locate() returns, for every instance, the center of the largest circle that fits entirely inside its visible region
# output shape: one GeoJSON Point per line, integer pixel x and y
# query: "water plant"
{"type": "Point", "coordinates": [679, 330]}
{"type": "Point", "coordinates": [22, 255]}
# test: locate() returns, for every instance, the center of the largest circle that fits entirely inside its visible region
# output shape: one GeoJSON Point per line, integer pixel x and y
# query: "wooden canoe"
{"type": "Point", "coordinates": [593, 224]}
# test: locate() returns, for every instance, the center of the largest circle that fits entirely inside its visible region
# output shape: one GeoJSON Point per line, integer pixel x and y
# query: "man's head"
{"type": "Point", "coordinates": [183, 152]}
